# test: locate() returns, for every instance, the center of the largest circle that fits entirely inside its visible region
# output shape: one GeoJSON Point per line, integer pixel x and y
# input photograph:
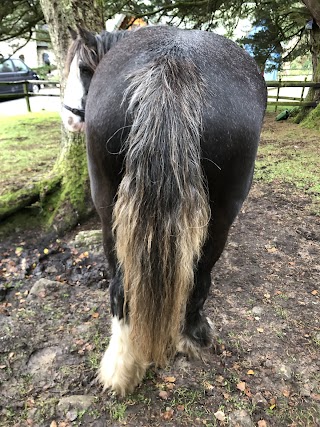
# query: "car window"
{"type": "Point", "coordinates": [6, 66]}
{"type": "Point", "coordinates": [20, 66]}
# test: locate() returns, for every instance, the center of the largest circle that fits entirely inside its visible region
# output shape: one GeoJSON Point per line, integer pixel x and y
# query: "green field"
{"type": "Point", "coordinates": [29, 145]}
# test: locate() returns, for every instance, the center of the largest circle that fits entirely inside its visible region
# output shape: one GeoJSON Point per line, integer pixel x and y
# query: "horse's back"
{"type": "Point", "coordinates": [234, 90]}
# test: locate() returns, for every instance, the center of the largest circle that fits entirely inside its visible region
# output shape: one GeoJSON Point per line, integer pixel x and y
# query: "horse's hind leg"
{"type": "Point", "coordinates": [121, 368]}
{"type": "Point", "coordinates": [197, 332]}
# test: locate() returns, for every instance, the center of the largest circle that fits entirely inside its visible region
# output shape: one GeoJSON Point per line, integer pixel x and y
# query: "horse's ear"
{"type": "Point", "coordinates": [73, 33]}
{"type": "Point", "coordinates": [87, 37]}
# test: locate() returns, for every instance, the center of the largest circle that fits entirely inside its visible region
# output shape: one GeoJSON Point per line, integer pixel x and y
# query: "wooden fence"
{"type": "Point", "coordinates": [276, 100]}
{"type": "Point", "coordinates": [290, 101]}
{"type": "Point", "coordinates": [26, 94]}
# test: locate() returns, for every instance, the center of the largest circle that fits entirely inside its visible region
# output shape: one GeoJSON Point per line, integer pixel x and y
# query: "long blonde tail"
{"type": "Point", "coordinates": [162, 210]}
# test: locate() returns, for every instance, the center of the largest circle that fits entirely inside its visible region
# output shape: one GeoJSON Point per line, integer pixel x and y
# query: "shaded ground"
{"type": "Point", "coordinates": [264, 369]}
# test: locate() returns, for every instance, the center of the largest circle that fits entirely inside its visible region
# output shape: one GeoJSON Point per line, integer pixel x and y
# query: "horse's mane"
{"type": "Point", "coordinates": [92, 56]}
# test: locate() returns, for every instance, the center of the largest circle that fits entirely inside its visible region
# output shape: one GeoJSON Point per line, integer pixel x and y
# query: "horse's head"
{"type": "Point", "coordinates": [83, 57]}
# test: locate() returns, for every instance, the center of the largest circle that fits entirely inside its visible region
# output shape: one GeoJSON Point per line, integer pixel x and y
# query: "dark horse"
{"type": "Point", "coordinates": [172, 119]}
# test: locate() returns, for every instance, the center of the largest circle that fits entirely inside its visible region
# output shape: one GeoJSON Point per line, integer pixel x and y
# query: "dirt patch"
{"type": "Point", "coordinates": [263, 370]}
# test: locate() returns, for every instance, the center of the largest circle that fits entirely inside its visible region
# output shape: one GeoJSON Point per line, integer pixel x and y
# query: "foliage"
{"type": "Point", "coordinates": [43, 71]}
{"type": "Point", "coordinates": [276, 24]}
{"type": "Point", "coordinates": [279, 33]}
{"type": "Point", "coordinates": [18, 18]}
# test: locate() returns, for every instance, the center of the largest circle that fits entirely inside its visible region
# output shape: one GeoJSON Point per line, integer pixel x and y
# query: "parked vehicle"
{"type": "Point", "coordinates": [12, 70]}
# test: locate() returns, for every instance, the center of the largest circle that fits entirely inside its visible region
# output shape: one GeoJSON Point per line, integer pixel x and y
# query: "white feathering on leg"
{"type": "Point", "coordinates": [120, 368]}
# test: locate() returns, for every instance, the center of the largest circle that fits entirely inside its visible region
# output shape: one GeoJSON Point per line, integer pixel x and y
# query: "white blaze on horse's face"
{"type": "Point", "coordinates": [72, 98]}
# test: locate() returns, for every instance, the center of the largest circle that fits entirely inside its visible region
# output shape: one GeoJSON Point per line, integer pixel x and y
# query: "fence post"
{"type": "Point", "coordinates": [26, 94]}
{"type": "Point", "coordinates": [278, 93]}
{"type": "Point", "coordinates": [303, 88]}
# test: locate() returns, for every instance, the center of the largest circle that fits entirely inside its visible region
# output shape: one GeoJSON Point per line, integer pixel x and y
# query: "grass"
{"type": "Point", "coordinates": [290, 154]}
{"type": "Point", "coordinates": [29, 145]}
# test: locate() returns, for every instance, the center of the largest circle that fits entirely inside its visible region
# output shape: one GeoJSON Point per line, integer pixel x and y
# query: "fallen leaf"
{"type": "Point", "coordinates": [271, 249]}
{"type": "Point", "coordinates": [208, 386]}
{"type": "Point", "coordinates": [220, 379]}
{"type": "Point", "coordinates": [262, 423]}
{"type": "Point", "coordinates": [18, 251]}
{"type": "Point", "coordinates": [241, 386]}
{"type": "Point", "coordinates": [168, 414]}
{"type": "Point", "coordinates": [273, 401]}
{"type": "Point", "coordinates": [247, 392]}
{"type": "Point", "coordinates": [220, 415]}
{"type": "Point", "coordinates": [286, 392]}
{"type": "Point", "coordinates": [53, 424]}
{"type": "Point", "coordinates": [315, 292]}
{"type": "Point", "coordinates": [170, 379]}
{"type": "Point", "coordinates": [163, 395]}
{"type": "Point", "coordinates": [315, 396]}
{"type": "Point", "coordinates": [95, 315]}
{"type": "Point", "coordinates": [170, 386]}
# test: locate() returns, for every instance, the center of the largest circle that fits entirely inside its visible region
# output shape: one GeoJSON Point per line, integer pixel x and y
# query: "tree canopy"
{"type": "Point", "coordinates": [18, 18]}
{"type": "Point", "coordinates": [276, 22]}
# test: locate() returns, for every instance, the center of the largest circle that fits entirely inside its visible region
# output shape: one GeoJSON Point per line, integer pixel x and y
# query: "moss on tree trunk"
{"type": "Point", "coordinates": [72, 202]}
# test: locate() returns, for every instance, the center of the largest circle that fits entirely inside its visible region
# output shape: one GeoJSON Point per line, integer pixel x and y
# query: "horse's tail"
{"type": "Point", "coordinates": [162, 210]}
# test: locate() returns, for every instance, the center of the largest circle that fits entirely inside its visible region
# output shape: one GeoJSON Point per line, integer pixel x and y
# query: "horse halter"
{"type": "Point", "coordinates": [75, 111]}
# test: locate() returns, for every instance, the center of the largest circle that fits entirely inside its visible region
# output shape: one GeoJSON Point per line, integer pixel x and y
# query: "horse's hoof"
{"type": "Point", "coordinates": [201, 338]}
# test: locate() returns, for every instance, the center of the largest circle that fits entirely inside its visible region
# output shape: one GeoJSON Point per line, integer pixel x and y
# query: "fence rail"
{"type": "Point", "coordinates": [26, 94]}
{"type": "Point", "coordinates": [291, 101]}
{"type": "Point", "coordinates": [277, 84]}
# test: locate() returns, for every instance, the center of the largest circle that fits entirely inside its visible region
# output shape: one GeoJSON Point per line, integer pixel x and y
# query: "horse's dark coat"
{"type": "Point", "coordinates": [233, 109]}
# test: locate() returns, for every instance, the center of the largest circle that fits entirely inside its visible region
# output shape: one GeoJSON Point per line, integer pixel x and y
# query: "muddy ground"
{"type": "Point", "coordinates": [263, 369]}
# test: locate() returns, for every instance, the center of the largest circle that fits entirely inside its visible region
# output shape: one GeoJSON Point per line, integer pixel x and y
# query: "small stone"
{"type": "Point", "coordinates": [43, 287]}
{"type": "Point", "coordinates": [72, 415]}
{"type": "Point", "coordinates": [78, 402]}
{"type": "Point", "coordinates": [268, 363]}
{"type": "Point", "coordinates": [306, 390]}
{"type": "Point", "coordinates": [220, 415]}
{"type": "Point", "coordinates": [88, 237]}
{"type": "Point", "coordinates": [259, 400]}
{"type": "Point", "coordinates": [240, 418]}
{"type": "Point", "coordinates": [41, 361]}
{"type": "Point", "coordinates": [257, 310]}
{"type": "Point", "coordinates": [51, 269]}
{"type": "Point", "coordinates": [285, 372]}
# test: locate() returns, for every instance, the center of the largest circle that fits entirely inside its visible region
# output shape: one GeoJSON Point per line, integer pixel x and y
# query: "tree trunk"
{"type": "Point", "coordinates": [314, 43]}
{"type": "Point", "coordinates": [73, 201]}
